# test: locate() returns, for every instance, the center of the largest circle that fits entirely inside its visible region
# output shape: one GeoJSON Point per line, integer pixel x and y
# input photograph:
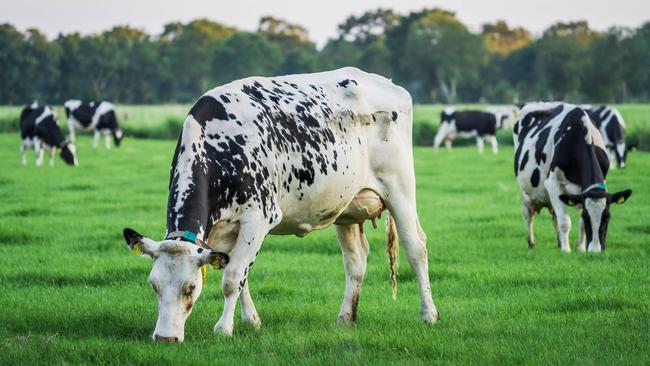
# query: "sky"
{"type": "Point", "coordinates": [319, 17]}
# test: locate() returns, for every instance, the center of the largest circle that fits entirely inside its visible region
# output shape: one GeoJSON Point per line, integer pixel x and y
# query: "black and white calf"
{"type": "Point", "coordinates": [612, 128]}
{"type": "Point", "coordinates": [96, 116]}
{"type": "Point", "coordinates": [285, 155]}
{"type": "Point", "coordinates": [560, 159]}
{"type": "Point", "coordinates": [482, 125]}
{"type": "Point", "coordinates": [39, 130]}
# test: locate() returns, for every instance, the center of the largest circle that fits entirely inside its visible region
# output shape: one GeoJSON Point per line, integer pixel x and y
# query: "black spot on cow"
{"type": "Point", "coordinates": [534, 178]}
{"type": "Point", "coordinates": [394, 116]}
{"type": "Point", "coordinates": [346, 82]}
{"type": "Point", "coordinates": [206, 109]}
{"type": "Point", "coordinates": [224, 98]}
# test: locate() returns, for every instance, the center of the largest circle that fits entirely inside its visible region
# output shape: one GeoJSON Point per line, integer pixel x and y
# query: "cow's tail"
{"type": "Point", "coordinates": [392, 248]}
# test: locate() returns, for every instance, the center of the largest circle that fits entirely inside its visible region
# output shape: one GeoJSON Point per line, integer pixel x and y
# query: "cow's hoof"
{"type": "Point", "coordinates": [253, 321]}
{"type": "Point", "coordinates": [431, 318]}
{"type": "Point", "coordinates": [566, 250]}
{"type": "Point", "coordinates": [345, 319]}
{"type": "Point", "coordinates": [223, 330]}
{"type": "Point", "coordinates": [581, 248]}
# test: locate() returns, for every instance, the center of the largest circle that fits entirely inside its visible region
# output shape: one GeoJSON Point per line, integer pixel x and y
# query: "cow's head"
{"type": "Point", "coordinates": [117, 136]}
{"type": "Point", "coordinates": [595, 213]}
{"type": "Point", "coordinates": [177, 278]}
{"type": "Point", "coordinates": [69, 154]}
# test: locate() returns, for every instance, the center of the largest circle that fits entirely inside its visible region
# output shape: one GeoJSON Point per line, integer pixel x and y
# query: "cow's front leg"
{"type": "Point", "coordinates": [563, 219]}
{"type": "Point", "coordinates": [248, 311]}
{"type": "Point", "coordinates": [96, 136]}
{"type": "Point", "coordinates": [71, 130]}
{"type": "Point", "coordinates": [354, 246]}
{"type": "Point", "coordinates": [480, 144]}
{"type": "Point", "coordinates": [52, 151]}
{"type": "Point", "coordinates": [107, 140]}
{"type": "Point", "coordinates": [582, 236]}
{"type": "Point", "coordinates": [23, 158]}
{"type": "Point", "coordinates": [253, 230]}
{"type": "Point", "coordinates": [495, 147]}
{"type": "Point", "coordinates": [38, 149]}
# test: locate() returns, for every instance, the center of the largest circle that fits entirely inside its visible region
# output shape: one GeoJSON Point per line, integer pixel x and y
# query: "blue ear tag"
{"type": "Point", "coordinates": [189, 236]}
{"type": "Point", "coordinates": [602, 186]}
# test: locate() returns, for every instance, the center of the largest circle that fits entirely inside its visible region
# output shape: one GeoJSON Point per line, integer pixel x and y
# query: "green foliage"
{"type": "Point", "coordinates": [430, 52]}
{"type": "Point", "coordinates": [72, 293]}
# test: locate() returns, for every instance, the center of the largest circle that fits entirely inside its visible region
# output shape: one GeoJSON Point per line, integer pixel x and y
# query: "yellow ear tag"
{"type": "Point", "coordinates": [204, 274]}
{"type": "Point", "coordinates": [137, 249]}
{"type": "Point", "coordinates": [620, 200]}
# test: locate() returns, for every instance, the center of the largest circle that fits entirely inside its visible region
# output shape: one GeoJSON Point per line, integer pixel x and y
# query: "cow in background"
{"type": "Point", "coordinates": [482, 125]}
{"type": "Point", "coordinates": [39, 130]}
{"type": "Point", "coordinates": [560, 159]}
{"type": "Point", "coordinates": [612, 128]}
{"type": "Point", "coordinates": [97, 116]}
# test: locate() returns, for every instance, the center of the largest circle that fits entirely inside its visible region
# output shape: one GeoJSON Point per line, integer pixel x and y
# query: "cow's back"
{"type": "Point", "coordinates": [291, 142]}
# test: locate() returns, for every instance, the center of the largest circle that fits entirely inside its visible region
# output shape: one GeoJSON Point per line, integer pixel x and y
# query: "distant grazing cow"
{"type": "Point", "coordinates": [560, 159]}
{"type": "Point", "coordinates": [39, 130]}
{"type": "Point", "coordinates": [97, 116]}
{"type": "Point", "coordinates": [612, 127]}
{"type": "Point", "coordinates": [482, 125]}
{"type": "Point", "coordinates": [285, 155]}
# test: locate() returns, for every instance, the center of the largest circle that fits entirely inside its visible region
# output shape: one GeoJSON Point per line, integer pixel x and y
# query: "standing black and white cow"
{"type": "Point", "coordinates": [285, 155]}
{"type": "Point", "coordinates": [482, 125]}
{"type": "Point", "coordinates": [612, 128]}
{"type": "Point", "coordinates": [560, 159]}
{"type": "Point", "coordinates": [97, 116]}
{"type": "Point", "coordinates": [39, 130]}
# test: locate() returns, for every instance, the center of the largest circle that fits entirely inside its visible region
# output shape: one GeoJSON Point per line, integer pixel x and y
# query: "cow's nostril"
{"type": "Point", "coordinates": [166, 339]}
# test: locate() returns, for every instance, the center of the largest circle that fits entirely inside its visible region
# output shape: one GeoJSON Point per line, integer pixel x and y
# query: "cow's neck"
{"type": "Point", "coordinates": [590, 172]}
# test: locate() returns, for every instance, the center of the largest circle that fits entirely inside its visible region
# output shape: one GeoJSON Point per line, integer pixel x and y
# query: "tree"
{"type": "Point", "coordinates": [439, 50]}
{"type": "Point", "coordinates": [246, 54]}
{"type": "Point", "coordinates": [561, 58]}
{"type": "Point", "coordinates": [300, 54]}
{"type": "Point", "coordinates": [501, 39]}
{"type": "Point", "coordinates": [189, 50]}
{"type": "Point", "coordinates": [368, 27]}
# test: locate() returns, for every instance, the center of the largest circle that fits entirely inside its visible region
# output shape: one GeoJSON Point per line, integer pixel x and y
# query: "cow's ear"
{"type": "Point", "coordinates": [571, 199]}
{"type": "Point", "coordinates": [620, 197]}
{"type": "Point", "coordinates": [216, 259]}
{"type": "Point", "coordinates": [138, 243]}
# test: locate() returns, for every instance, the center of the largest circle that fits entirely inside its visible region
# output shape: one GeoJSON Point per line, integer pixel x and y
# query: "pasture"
{"type": "Point", "coordinates": [73, 293]}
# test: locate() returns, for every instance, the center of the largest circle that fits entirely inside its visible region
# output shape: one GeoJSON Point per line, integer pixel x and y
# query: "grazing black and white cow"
{"type": "Point", "coordinates": [612, 128]}
{"type": "Point", "coordinates": [39, 130]}
{"type": "Point", "coordinates": [97, 116]}
{"type": "Point", "coordinates": [560, 159]}
{"type": "Point", "coordinates": [285, 155]}
{"type": "Point", "coordinates": [482, 125]}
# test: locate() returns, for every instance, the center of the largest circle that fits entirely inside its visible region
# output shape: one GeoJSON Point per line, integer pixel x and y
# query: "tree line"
{"type": "Point", "coordinates": [430, 52]}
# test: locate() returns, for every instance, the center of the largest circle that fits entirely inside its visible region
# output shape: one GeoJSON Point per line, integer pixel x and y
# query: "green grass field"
{"type": "Point", "coordinates": [72, 293]}
{"type": "Point", "coordinates": [165, 121]}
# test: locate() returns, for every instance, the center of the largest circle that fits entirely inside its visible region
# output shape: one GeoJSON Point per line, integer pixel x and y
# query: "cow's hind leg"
{"type": "Point", "coordinates": [354, 246]}
{"type": "Point", "coordinates": [248, 311]}
{"type": "Point", "coordinates": [412, 238]}
{"type": "Point", "coordinates": [253, 228]}
{"type": "Point", "coordinates": [529, 217]}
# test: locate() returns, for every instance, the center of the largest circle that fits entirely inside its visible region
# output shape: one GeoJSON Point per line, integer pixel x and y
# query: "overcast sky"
{"type": "Point", "coordinates": [320, 17]}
